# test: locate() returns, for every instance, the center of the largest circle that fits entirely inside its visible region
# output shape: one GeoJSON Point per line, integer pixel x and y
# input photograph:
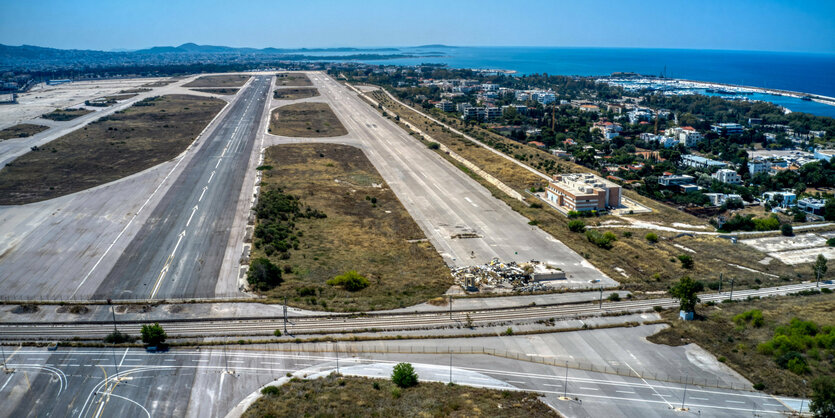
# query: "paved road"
{"type": "Point", "coordinates": [445, 201]}
{"type": "Point", "coordinates": [196, 383]}
{"type": "Point", "coordinates": [180, 248]}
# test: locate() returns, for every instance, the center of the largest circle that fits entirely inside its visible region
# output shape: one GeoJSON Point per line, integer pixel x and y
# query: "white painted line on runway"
{"type": "Point", "coordinates": [624, 391]}
{"type": "Point", "coordinates": [204, 192]}
{"type": "Point", "coordinates": [548, 384]}
{"type": "Point", "coordinates": [516, 381]}
{"type": "Point", "coordinates": [123, 356]}
{"type": "Point", "coordinates": [7, 382]}
{"type": "Point", "coordinates": [585, 388]}
{"type": "Point", "coordinates": [211, 177]}
{"type": "Point", "coordinates": [698, 399]}
{"type": "Point", "coordinates": [193, 211]}
{"type": "Point", "coordinates": [730, 401]}
{"type": "Point", "coordinates": [218, 162]}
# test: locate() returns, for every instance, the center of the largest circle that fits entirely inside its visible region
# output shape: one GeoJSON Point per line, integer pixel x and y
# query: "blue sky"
{"type": "Point", "coordinates": [774, 25]}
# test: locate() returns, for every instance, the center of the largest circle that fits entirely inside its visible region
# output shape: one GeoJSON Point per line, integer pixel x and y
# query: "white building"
{"type": "Point", "coordinates": [727, 176]}
{"type": "Point", "coordinates": [784, 199]}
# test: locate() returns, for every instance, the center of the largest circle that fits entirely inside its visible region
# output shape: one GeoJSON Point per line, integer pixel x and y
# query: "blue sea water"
{"type": "Point", "coordinates": [802, 72]}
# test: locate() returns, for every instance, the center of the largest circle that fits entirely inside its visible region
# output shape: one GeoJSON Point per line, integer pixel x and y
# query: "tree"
{"type": "Point", "coordinates": [823, 397]}
{"type": "Point", "coordinates": [153, 334]}
{"type": "Point", "coordinates": [786, 230]}
{"type": "Point", "coordinates": [686, 291]}
{"type": "Point", "coordinates": [404, 375]}
{"type": "Point", "coordinates": [263, 274]}
{"type": "Point", "coordinates": [820, 267]}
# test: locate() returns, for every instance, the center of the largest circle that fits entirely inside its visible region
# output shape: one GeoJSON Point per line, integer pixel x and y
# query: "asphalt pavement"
{"type": "Point", "coordinates": [210, 383]}
{"type": "Point", "coordinates": [180, 248]}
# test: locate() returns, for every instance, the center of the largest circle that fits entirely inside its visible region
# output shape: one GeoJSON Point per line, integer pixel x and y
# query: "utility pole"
{"type": "Point", "coordinates": [720, 283]}
{"type": "Point", "coordinates": [450, 366]}
{"type": "Point", "coordinates": [336, 350]}
{"type": "Point", "coordinates": [565, 382]}
{"type": "Point", "coordinates": [285, 315]}
{"type": "Point", "coordinates": [684, 395]}
{"type": "Point", "coordinates": [600, 304]}
{"type": "Point", "coordinates": [732, 289]}
{"type": "Point", "coordinates": [6, 368]}
{"type": "Point", "coordinates": [115, 335]}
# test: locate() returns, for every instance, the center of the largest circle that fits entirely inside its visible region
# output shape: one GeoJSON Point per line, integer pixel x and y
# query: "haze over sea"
{"type": "Point", "coordinates": [801, 72]}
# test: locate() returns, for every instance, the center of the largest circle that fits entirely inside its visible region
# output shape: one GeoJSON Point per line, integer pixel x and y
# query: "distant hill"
{"type": "Point", "coordinates": [29, 57]}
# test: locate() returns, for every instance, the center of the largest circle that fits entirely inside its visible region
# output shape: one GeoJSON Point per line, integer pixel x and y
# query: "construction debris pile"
{"type": "Point", "coordinates": [496, 276]}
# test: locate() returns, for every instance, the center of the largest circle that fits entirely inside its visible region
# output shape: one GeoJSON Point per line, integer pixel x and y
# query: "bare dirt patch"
{"type": "Point", "coordinates": [223, 91]}
{"type": "Point", "coordinates": [150, 132]}
{"type": "Point", "coordinates": [367, 229]}
{"type": "Point", "coordinates": [337, 396]}
{"type": "Point", "coordinates": [308, 120]}
{"type": "Point", "coordinates": [295, 94]}
{"type": "Point", "coordinates": [292, 80]}
{"type": "Point", "coordinates": [160, 83]}
{"type": "Point", "coordinates": [225, 80]}
{"type": "Point", "coordinates": [21, 131]}
{"type": "Point", "coordinates": [62, 115]}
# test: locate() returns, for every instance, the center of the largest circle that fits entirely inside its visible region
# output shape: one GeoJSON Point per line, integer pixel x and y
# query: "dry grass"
{"type": "Point", "coordinates": [308, 120]}
{"type": "Point", "coordinates": [160, 83]}
{"type": "Point", "coordinates": [135, 90]}
{"type": "Point", "coordinates": [716, 332]}
{"type": "Point", "coordinates": [62, 115]}
{"type": "Point", "coordinates": [113, 147]}
{"type": "Point", "coordinates": [294, 93]}
{"type": "Point", "coordinates": [225, 80]}
{"type": "Point", "coordinates": [336, 396]}
{"type": "Point", "coordinates": [371, 238]}
{"type": "Point", "coordinates": [21, 131]}
{"type": "Point", "coordinates": [223, 91]}
{"type": "Point", "coordinates": [292, 80]}
{"type": "Point", "coordinates": [648, 267]}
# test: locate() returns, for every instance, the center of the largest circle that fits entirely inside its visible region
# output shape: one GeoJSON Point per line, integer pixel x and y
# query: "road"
{"type": "Point", "coordinates": [444, 201]}
{"type": "Point", "coordinates": [209, 383]}
{"type": "Point", "coordinates": [180, 248]}
{"type": "Point", "coordinates": [345, 323]}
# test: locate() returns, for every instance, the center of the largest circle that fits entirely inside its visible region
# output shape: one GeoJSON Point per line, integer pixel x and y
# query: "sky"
{"type": "Point", "coordinates": [765, 25]}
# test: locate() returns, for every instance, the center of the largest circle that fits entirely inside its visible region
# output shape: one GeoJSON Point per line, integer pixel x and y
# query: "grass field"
{"type": "Point", "coordinates": [336, 396]}
{"type": "Point", "coordinates": [225, 80]}
{"type": "Point", "coordinates": [367, 229]}
{"type": "Point", "coordinates": [716, 332]}
{"type": "Point", "coordinates": [62, 115]}
{"type": "Point", "coordinates": [292, 80]}
{"type": "Point", "coordinates": [21, 131]}
{"type": "Point", "coordinates": [294, 93]}
{"type": "Point", "coordinates": [637, 264]}
{"type": "Point", "coordinates": [223, 91]}
{"type": "Point", "coordinates": [148, 133]}
{"type": "Point", "coordinates": [308, 120]}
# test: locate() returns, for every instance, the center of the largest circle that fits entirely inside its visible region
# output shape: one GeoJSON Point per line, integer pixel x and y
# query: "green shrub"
{"type": "Point", "coordinates": [263, 274]}
{"type": "Point", "coordinates": [404, 376]}
{"type": "Point", "coordinates": [686, 261]}
{"type": "Point", "coordinates": [651, 237]}
{"type": "Point", "coordinates": [627, 234]}
{"type": "Point", "coordinates": [270, 391]}
{"type": "Point", "coordinates": [350, 281]}
{"type": "Point", "coordinates": [434, 145]}
{"type": "Point", "coordinates": [831, 242]}
{"type": "Point", "coordinates": [153, 334]}
{"type": "Point", "coordinates": [786, 230]}
{"type": "Point", "coordinates": [613, 297]}
{"type": "Point", "coordinates": [602, 240]}
{"type": "Point", "coordinates": [754, 316]}
{"type": "Point", "coordinates": [576, 225]}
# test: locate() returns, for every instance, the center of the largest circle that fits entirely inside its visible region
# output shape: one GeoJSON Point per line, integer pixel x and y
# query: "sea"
{"type": "Point", "coordinates": [799, 72]}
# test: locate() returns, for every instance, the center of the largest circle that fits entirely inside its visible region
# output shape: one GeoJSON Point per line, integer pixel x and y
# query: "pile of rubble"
{"type": "Point", "coordinates": [497, 276]}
